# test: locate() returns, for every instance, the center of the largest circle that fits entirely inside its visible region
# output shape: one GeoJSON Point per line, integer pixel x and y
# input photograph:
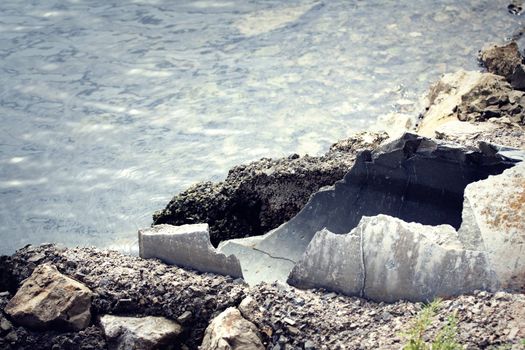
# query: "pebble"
{"type": "Point", "coordinates": [185, 317]}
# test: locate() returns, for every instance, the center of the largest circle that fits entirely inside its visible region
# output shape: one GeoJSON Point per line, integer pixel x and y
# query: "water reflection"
{"type": "Point", "coordinates": [108, 108]}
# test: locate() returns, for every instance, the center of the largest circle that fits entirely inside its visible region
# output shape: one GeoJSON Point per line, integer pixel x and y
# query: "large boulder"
{"type": "Point", "coordinates": [230, 331]}
{"type": "Point", "coordinates": [49, 299]}
{"type": "Point", "coordinates": [145, 333]}
{"type": "Point", "coordinates": [259, 196]}
{"type": "Point", "coordinates": [186, 246]}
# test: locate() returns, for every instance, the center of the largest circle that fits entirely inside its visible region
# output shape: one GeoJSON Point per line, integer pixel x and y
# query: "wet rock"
{"type": "Point", "coordinates": [501, 60]}
{"type": "Point", "coordinates": [257, 197]}
{"type": "Point", "coordinates": [145, 333]}
{"type": "Point", "coordinates": [498, 210]}
{"type": "Point", "coordinates": [230, 331]}
{"type": "Point", "coordinates": [49, 299]}
{"type": "Point", "coordinates": [188, 246]}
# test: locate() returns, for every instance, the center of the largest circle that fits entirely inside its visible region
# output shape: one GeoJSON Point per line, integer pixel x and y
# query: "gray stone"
{"type": "Point", "coordinates": [230, 331]}
{"type": "Point", "coordinates": [309, 345]}
{"type": "Point", "coordinates": [185, 317]}
{"type": "Point", "coordinates": [187, 246]}
{"type": "Point", "coordinates": [5, 325]}
{"type": "Point", "coordinates": [498, 209]}
{"type": "Point", "coordinates": [387, 259]}
{"type": "Point", "coordinates": [48, 299]}
{"type": "Point", "coordinates": [132, 333]}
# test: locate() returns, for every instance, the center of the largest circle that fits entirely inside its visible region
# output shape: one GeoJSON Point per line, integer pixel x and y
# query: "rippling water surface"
{"type": "Point", "coordinates": [108, 108]}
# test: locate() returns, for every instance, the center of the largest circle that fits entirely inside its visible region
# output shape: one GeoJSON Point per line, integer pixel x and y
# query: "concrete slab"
{"type": "Point", "coordinates": [186, 246]}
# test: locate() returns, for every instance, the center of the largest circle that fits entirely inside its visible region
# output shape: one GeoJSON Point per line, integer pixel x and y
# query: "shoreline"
{"type": "Point", "coordinates": [283, 317]}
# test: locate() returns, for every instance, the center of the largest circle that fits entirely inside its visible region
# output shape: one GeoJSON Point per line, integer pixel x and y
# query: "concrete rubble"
{"type": "Point", "coordinates": [285, 317]}
{"type": "Point", "coordinates": [188, 246]}
{"type": "Point", "coordinates": [388, 259]}
{"type": "Point", "coordinates": [139, 333]}
{"type": "Point", "coordinates": [400, 207]}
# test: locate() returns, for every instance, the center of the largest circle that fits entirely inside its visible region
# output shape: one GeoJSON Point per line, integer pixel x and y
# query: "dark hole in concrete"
{"type": "Point", "coordinates": [410, 184]}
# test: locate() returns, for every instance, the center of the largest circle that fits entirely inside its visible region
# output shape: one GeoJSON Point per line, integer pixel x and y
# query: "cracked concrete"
{"type": "Point", "coordinates": [389, 230]}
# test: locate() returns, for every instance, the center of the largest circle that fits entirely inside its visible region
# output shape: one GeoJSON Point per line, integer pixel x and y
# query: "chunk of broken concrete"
{"type": "Point", "coordinates": [501, 59]}
{"type": "Point", "coordinates": [331, 261]}
{"type": "Point", "coordinates": [388, 259]}
{"type": "Point", "coordinates": [497, 208]}
{"type": "Point", "coordinates": [268, 266]}
{"type": "Point", "coordinates": [48, 299]}
{"type": "Point", "coordinates": [230, 331]}
{"type": "Point", "coordinates": [133, 333]}
{"type": "Point", "coordinates": [186, 246]}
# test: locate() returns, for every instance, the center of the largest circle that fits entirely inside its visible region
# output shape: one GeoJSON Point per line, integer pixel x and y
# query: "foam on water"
{"type": "Point", "coordinates": [108, 108]}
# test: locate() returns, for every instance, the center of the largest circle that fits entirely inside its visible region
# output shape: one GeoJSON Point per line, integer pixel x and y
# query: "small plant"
{"type": "Point", "coordinates": [444, 340]}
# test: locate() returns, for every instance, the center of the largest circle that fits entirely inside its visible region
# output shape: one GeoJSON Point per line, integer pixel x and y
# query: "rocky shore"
{"type": "Point", "coordinates": [285, 317]}
{"type": "Point", "coordinates": [84, 298]}
{"type": "Point", "coordinates": [259, 196]}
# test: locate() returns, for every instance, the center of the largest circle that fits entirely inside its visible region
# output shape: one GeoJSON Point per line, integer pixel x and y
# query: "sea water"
{"type": "Point", "coordinates": [109, 108]}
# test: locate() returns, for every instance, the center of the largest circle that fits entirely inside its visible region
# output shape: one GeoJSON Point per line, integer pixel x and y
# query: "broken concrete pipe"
{"type": "Point", "coordinates": [384, 232]}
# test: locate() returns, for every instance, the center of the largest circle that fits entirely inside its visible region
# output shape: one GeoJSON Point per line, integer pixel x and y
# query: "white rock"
{"type": "Point", "coordinates": [230, 331]}
{"type": "Point", "coordinates": [132, 333]}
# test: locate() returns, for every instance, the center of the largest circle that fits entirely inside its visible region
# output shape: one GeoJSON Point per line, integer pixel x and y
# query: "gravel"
{"type": "Point", "coordinates": [288, 318]}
